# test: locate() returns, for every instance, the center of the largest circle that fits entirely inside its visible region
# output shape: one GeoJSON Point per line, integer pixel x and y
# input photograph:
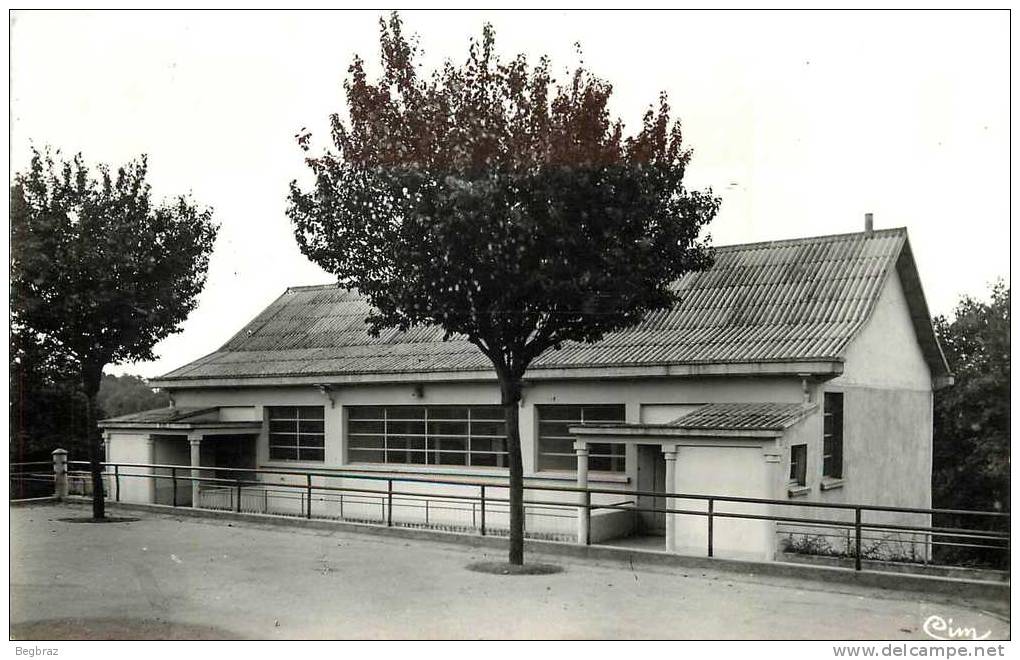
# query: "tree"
{"type": "Point", "coordinates": [99, 274]}
{"type": "Point", "coordinates": [971, 444]}
{"type": "Point", "coordinates": [505, 209]}
{"type": "Point", "coordinates": [123, 395]}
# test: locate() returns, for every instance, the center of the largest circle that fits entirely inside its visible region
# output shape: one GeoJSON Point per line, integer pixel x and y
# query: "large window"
{"type": "Point", "coordinates": [832, 445]}
{"type": "Point", "coordinates": [296, 433]}
{"type": "Point", "coordinates": [427, 435]}
{"type": "Point", "coordinates": [556, 445]}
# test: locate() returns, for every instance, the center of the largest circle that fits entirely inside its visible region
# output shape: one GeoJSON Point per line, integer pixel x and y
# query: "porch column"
{"type": "Point", "coordinates": [581, 449]}
{"type": "Point", "coordinates": [195, 440]}
{"type": "Point", "coordinates": [150, 442]}
{"type": "Point", "coordinates": [669, 453]}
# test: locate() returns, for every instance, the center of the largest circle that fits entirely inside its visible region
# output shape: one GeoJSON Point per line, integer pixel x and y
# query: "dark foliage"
{"type": "Point", "coordinates": [501, 206]}
{"type": "Point", "coordinates": [971, 452]}
{"type": "Point", "coordinates": [123, 395]}
{"type": "Point", "coordinates": [99, 274]}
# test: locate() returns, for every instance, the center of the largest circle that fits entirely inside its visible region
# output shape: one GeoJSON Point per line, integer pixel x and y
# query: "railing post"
{"type": "Point", "coordinates": [587, 516]}
{"type": "Point", "coordinates": [116, 483]}
{"type": "Point", "coordinates": [237, 506]}
{"type": "Point", "coordinates": [711, 525]}
{"type": "Point", "coordinates": [857, 541]}
{"type": "Point", "coordinates": [483, 509]}
{"type": "Point", "coordinates": [389, 503]}
{"type": "Point", "coordinates": [308, 489]}
{"type": "Point", "coordinates": [60, 473]}
{"type": "Point", "coordinates": [173, 479]}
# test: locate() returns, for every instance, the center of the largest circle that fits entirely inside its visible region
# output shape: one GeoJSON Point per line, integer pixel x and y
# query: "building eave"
{"type": "Point", "coordinates": [819, 368]}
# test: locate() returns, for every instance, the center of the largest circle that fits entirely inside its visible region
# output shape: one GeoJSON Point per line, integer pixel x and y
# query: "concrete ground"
{"type": "Point", "coordinates": [173, 577]}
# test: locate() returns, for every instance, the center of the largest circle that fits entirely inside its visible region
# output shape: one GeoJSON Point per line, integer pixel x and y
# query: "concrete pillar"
{"type": "Point", "coordinates": [581, 449]}
{"type": "Point", "coordinates": [150, 441]}
{"type": "Point", "coordinates": [60, 473]}
{"type": "Point", "coordinates": [669, 453]}
{"type": "Point", "coordinates": [196, 460]}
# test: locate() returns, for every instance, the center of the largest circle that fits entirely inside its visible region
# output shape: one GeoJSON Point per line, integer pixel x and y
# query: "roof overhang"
{"type": "Point", "coordinates": [182, 427]}
{"type": "Point", "coordinates": [824, 369]}
{"type": "Point", "coordinates": [643, 432]}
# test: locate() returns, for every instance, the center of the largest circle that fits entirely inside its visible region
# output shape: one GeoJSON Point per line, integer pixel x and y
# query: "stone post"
{"type": "Point", "coordinates": [60, 473]}
{"type": "Point", "coordinates": [196, 460]}
{"type": "Point", "coordinates": [669, 453]}
{"type": "Point", "coordinates": [581, 448]}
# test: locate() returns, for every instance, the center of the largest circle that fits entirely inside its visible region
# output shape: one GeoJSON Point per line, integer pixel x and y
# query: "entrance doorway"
{"type": "Point", "coordinates": [651, 476]}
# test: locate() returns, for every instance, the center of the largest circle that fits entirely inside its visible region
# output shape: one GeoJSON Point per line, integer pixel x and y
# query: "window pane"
{"type": "Point", "coordinates": [557, 446]}
{"type": "Point", "coordinates": [405, 412]}
{"type": "Point", "coordinates": [449, 444]}
{"type": "Point", "coordinates": [285, 426]}
{"type": "Point", "coordinates": [307, 440]}
{"type": "Point", "coordinates": [564, 413]}
{"type": "Point", "coordinates": [487, 460]}
{"type": "Point", "coordinates": [311, 454]}
{"type": "Point", "coordinates": [488, 444]}
{"type": "Point", "coordinates": [447, 412]}
{"type": "Point", "coordinates": [604, 413]}
{"type": "Point", "coordinates": [365, 412]}
{"type": "Point", "coordinates": [447, 428]}
{"type": "Point", "coordinates": [613, 449]}
{"type": "Point", "coordinates": [556, 428]}
{"type": "Point", "coordinates": [405, 427]}
{"type": "Point", "coordinates": [283, 453]}
{"type": "Point", "coordinates": [405, 442]}
{"type": "Point", "coordinates": [366, 456]}
{"type": "Point", "coordinates": [488, 413]}
{"type": "Point", "coordinates": [549, 462]}
{"type": "Point", "coordinates": [364, 427]}
{"type": "Point", "coordinates": [283, 439]}
{"type": "Point", "coordinates": [311, 412]}
{"type": "Point", "coordinates": [449, 458]}
{"type": "Point", "coordinates": [314, 426]}
{"type": "Point", "coordinates": [488, 428]}
{"type": "Point", "coordinates": [282, 412]}
{"type": "Point", "coordinates": [365, 441]}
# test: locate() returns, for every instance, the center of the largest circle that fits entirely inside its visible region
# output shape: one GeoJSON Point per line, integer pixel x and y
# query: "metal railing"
{"type": "Point", "coordinates": [483, 493]}
{"type": "Point", "coordinates": [31, 479]}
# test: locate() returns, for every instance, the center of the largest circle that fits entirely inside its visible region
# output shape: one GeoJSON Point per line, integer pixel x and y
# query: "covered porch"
{"type": "Point", "coordinates": [198, 440]}
{"type": "Point", "coordinates": [723, 449]}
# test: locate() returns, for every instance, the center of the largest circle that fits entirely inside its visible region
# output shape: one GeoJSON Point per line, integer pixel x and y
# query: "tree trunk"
{"type": "Point", "coordinates": [510, 390]}
{"type": "Point", "coordinates": [91, 377]}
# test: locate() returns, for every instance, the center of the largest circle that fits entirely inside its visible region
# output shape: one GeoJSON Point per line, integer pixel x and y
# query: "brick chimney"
{"type": "Point", "coordinates": [869, 224]}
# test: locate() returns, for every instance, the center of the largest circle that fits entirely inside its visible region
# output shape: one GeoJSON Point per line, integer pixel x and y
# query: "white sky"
{"type": "Point", "coordinates": [801, 121]}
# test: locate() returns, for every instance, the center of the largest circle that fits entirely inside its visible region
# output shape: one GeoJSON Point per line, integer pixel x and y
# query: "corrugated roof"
{"type": "Point", "coordinates": [745, 416]}
{"type": "Point", "coordinates": [164, 415]}
{"type": "Point", "coordinates": [794, 300]}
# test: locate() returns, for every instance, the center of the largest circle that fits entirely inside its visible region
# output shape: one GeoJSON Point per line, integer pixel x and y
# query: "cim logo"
{"type": "Point", "coordinates": [938, 628]}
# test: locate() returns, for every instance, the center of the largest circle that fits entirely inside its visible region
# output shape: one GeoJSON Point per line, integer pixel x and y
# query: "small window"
{"type": "Point", "coordinates": [798, 465]}
{"type": "Point", "coordinates": [832, 444]}
{"type": "Point", "coordinates": [556, 445]}
{"type": "Point", "coordinates": [297, 433]}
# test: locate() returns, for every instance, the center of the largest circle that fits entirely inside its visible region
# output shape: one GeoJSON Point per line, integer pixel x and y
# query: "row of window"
{"type": "Point", "coordinates": [471, 436]}
{"type": "Point", "coordinates": [475, 436]}
{"type": "Point", "coordinates": [832, 444]}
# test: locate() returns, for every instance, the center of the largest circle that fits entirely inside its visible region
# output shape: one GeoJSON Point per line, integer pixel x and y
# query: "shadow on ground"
{"type": "Point", "coordinates": [115, 629]}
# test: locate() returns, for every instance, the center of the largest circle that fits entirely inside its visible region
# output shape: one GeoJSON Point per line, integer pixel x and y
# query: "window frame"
{"type": "Point", "coordinates": [431, 447]}
{"type": "Point", "coordinates": [619, 456]}
{"type": "Point", "coordinates": [298, 434]}
{"type": "Point", "coordinates": [833, 441]}
{"type": "Point", "coordinates": [798, 468]}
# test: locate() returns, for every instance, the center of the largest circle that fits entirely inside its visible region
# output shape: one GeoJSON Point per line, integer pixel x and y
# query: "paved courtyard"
{"type": "Point", "coordinates": [177, 577]}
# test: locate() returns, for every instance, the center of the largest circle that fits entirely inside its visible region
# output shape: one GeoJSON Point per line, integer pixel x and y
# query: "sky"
{"type": "Point", "coordinates": [800, 121]}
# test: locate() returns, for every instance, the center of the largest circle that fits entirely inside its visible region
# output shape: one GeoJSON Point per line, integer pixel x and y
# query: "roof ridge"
{"type": "Point", "coordinates": [314, 287]}
{"type": "Point", "coordinates": [806, 239]}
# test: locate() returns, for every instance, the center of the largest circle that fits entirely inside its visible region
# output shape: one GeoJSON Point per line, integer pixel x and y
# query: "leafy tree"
{"type": "Point", "coordinates": [971, 445]}
{"type": "Point", "coordinates": [500, 206]}
{"type": "Point", "coordinates": [123, 395]}
{"type": "Point", "coordinates": [99, 274]}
